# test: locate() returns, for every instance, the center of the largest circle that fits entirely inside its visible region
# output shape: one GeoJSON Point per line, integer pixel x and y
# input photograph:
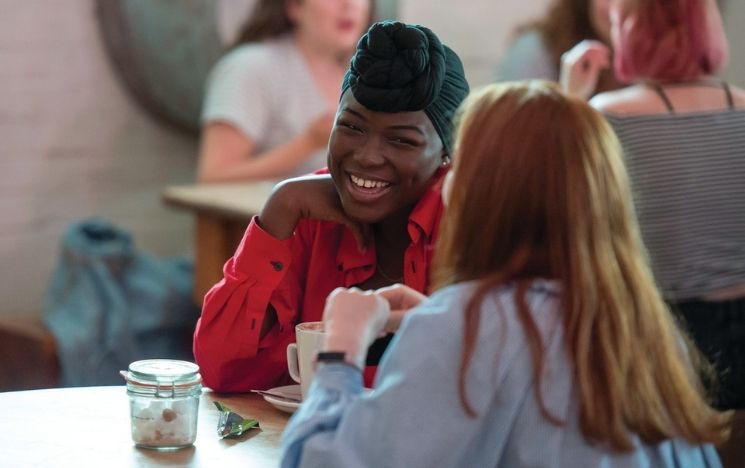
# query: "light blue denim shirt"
{"type": "Point", "coordinates": [414, 417]}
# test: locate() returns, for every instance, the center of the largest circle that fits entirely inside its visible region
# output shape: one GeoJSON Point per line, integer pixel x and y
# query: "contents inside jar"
{"type": "Point", "coordinates": [165, 423]}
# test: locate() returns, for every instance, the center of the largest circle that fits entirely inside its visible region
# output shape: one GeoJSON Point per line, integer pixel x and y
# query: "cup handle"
{"type": "Point", "coordinates": [292, 362]}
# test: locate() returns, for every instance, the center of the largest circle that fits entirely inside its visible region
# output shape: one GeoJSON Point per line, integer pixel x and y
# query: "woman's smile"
{"type": "Point", "coordinates": [366, 189]}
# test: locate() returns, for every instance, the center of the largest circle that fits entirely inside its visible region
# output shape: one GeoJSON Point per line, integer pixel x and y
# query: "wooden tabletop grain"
{"type": "Point", "coordinates": [90, 426]}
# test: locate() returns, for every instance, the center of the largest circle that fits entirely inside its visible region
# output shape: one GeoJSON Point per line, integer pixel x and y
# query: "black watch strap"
{"type": "Point", "coordinates": [331, 356]}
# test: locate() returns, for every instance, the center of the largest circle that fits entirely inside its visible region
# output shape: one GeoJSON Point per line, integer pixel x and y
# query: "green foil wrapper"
{"type": "Point", "coordinates": [232, 424]}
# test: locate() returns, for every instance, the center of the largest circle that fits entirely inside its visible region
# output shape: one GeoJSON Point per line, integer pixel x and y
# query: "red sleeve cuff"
{"type": "Point", "coordinates": [262, 257]}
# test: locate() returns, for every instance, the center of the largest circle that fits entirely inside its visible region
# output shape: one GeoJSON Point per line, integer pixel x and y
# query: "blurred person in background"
{"type": "Point", "coordinates": [370, 222]}
{"type": "Point", "coordinates": [270, 101]}
{"type": "Point", "coordinates": [546, 342]}
{"type": "Point", "coordinates": [535, 52]}
{"type": "Point", "coordinates": [683, 132]}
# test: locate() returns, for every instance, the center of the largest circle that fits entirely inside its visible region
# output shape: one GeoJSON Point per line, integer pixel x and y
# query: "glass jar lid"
{"type": "Point", "coordinates": [164, 370]}
{"type": "Point", "coordinates": [156, 375]}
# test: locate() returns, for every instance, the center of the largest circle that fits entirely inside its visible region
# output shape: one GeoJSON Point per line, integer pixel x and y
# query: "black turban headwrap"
{"type": "Point", "coordinates": [400, 67]}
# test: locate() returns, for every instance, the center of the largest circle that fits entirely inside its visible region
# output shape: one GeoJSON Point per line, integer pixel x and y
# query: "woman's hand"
{"type": "Point", "coordinates": [306, 197]}
{"type": "Point", "coordinates": [352, 320]}
{"type": "Point", "coordinates": [401, 299]}
{"type": "Point", "coordinates": [581, 67]}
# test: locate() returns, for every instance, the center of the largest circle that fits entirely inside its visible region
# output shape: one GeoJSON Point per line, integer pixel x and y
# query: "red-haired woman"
{"type": "Point", "coordinates": [547, 342]}
{"type": "Point", "coordinates": [683, 132]}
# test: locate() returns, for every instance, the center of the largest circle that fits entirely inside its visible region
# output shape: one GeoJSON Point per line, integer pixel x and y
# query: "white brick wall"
{"type": "Point", "coordinates": [72, 145]}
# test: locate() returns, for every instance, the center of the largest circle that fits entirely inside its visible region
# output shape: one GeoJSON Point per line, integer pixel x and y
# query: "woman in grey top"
{"type": "Point", "coordinates": [683, 132]}
{"type": "Point", "coordinates": [270, 101]}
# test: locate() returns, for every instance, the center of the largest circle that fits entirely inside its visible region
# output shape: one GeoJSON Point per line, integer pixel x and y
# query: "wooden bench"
{"type": "Point", "coordinates": [28, 353]}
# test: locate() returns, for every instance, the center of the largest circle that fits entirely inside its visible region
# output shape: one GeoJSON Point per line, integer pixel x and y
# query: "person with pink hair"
{"type": "Point", "coordinates": [683, 133]}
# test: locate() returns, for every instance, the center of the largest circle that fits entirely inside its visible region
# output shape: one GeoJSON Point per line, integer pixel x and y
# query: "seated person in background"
{"type": "Point", "coordinates": [546, 342]}
{"type": "Point", "coordinates": [388, 152]}
{"type": "Point", "coordinates": [270, 101]}
{"type": "Point", "coordinates": [682, 131]}
{"type": "Point", "coordinates": [537, 48]}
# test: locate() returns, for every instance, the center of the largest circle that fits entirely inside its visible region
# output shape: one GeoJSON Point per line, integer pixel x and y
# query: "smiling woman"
{"type": "Point", "coordinates": [381, 162]}
{"type": "Point", "coordinates": [370, 222]}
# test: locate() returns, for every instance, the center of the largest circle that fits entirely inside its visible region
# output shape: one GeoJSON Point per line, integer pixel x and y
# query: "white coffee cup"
{"type": "Point", "coordinates": [302, 353]}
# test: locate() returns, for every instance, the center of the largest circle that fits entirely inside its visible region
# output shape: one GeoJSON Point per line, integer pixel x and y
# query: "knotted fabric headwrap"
{"type": "Point", "coordinates": [400, 67]}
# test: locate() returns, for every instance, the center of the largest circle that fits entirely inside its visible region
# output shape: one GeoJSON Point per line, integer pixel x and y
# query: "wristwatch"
{"type": "Point", "coordinates": [331, 356]}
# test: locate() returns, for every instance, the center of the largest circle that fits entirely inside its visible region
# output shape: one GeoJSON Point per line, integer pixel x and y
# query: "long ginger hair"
{"type": "Point", "coordinates": [540, 190]}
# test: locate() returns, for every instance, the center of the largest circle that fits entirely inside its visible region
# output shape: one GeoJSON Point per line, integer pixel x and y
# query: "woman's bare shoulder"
{"type": "Point", "coordinates": [632, 100]}
{"type": "Point", "coordinates": [644, 100]}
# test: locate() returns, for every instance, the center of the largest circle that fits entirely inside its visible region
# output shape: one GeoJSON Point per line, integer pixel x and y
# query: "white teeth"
{"type": "Point", "coordinates": [360, 182]}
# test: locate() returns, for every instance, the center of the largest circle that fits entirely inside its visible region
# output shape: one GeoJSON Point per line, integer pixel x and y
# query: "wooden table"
{"type": "Point", "coordinates": [90, 427]}
{"type": "Point", "coordinates": [222, 213]}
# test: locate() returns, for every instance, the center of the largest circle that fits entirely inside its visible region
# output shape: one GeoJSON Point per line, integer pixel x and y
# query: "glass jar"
{"type": "Point", "coordinates": [163, 402]}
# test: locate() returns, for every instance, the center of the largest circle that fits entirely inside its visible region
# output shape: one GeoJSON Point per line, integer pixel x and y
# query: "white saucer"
{"type": "Point", "coordinates": [292, 391]}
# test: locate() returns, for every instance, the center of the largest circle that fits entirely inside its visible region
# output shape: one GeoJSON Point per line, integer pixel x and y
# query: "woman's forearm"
{"type": "Point", "coordinates": [273, 164]}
